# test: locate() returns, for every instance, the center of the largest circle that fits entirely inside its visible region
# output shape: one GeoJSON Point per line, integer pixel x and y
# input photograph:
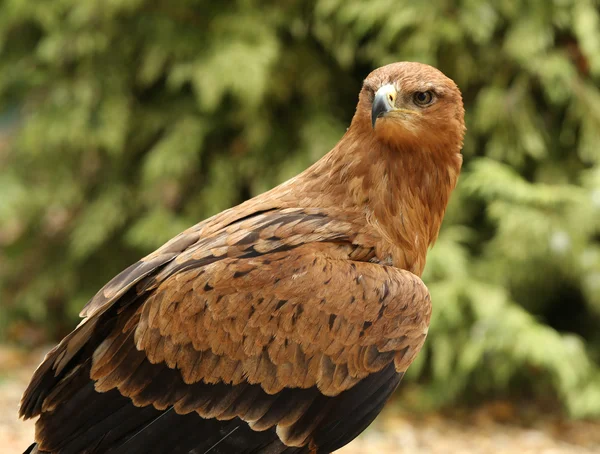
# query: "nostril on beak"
{"type": "Point", "coordinates": [383, 102]}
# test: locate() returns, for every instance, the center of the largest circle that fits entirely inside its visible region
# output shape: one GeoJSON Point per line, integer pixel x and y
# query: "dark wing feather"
{"type": "Point", "coordinates": [109, 422]}
{"type": "Point", "coordinates": [266, 322]}
{"type": "Point", "coordinates": [224, 236]}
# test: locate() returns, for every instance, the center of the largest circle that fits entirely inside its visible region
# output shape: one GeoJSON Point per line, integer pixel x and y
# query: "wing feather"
{"type": "Point", "coordinates": [285, 320]}
{"type": "Point", "coordinates": [265, 320]}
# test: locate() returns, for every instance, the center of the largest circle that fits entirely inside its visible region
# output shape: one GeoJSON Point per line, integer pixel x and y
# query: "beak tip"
{"type": "Point", "coordinates": [381, 103]}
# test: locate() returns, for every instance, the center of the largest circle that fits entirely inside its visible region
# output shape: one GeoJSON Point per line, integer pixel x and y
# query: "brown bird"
{"type": "Point", "coordinates": [281, 325]}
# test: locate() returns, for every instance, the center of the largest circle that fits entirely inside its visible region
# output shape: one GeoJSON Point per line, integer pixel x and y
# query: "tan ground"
{"type": "Point", "coordinates": [478, 432]}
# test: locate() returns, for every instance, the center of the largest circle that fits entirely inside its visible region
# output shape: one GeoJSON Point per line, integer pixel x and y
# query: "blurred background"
{"type": "Point", "coordinates": [123, 122]}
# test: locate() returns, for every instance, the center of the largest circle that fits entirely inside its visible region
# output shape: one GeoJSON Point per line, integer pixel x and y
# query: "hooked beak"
{"type": "Point", "coordinates": [383, 102]}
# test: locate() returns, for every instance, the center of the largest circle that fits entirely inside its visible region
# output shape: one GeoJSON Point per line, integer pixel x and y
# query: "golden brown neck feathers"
{"type": "Point", "coordinates": [403, 192]}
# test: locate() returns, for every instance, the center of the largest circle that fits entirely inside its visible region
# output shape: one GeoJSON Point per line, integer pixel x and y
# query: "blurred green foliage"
{"type": "Point", "coordinates": [125, 121]}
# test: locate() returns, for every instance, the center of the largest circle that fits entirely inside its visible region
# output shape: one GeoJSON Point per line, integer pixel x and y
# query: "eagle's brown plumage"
{"type": "Point", "coordinates": [280, 325]}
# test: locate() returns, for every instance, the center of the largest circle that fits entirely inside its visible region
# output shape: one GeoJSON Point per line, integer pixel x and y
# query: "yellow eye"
{"type": "Point", "coordinates": [423, 98]}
